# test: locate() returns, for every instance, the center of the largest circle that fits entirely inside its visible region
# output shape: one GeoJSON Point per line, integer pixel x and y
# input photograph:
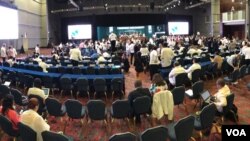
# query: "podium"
{"type": "Point", "coordinates": [25, 44]}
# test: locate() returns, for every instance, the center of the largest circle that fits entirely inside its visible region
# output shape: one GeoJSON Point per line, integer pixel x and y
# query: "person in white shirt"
{"type": "Point", "coordinates": [11, 61]}
{"type": "Point", "coordinates": [75, 55]}
{"type": "Point", "coordinates": [43, 65]}
{"type": "Point", "coordinates": [112, 38]}
{"type": "Point", "coordinates": [144, 56]}
{"type": "Point", "coordinates": [246, 52]}
{"type": "Point", "coordinates": [32, 119]}
{"type": "Point", "coordinates": [192, 68]}
{"type": "Point", "coordinates": [37, 49]}
{"type": "Point", "coordinates": [167, 55]}
{"type": "Point", "coordinates": [36, 90]}
{"type": "Point", "coordinates": [234, 61]}
{"type": "Point", "coordinates": [153, 62]}
{"type": "Point", "coordinates": [3, 52]}
{"type": "Point", "coordinates": [101, 59]}
{"type": "Point", "coordinates": [37, 59]}
{"type": "Point", "coordinates": [131, 51]}
{"type": "Point", "coordinates": [178, 69]}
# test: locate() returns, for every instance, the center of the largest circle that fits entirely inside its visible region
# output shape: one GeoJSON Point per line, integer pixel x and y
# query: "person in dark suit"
{"type": "Point", "coordinates": [138, 92]}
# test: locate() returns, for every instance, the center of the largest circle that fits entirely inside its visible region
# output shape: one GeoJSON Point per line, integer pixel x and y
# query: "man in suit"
{"type": "Point", "coordinates": [138, 92]}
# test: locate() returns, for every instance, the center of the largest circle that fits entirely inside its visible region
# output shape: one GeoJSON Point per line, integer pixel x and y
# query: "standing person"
{"type": "Point", "coordinates": [75, 55]}
{"type": "Point", "coordinates": [167, 55]}
{"type": "Point", "coordinates": [112, 38]}
{"type": "Point", "coordinates": [3, 52]}
{"type": "Point", "coordinates": [131, 51]}
{"type": "Point", "coordinates": [138, 64]}
{"type": "Point", "coordinates": [32, 119]}
{"type": "Point", "coordinates": [144, 56]}
{"type": "Point", "coordinates": [246, 52]}
{"type": "Point", "coordinates": [153, 62]}
{"type": "Point", "coordinates": [37, 49]}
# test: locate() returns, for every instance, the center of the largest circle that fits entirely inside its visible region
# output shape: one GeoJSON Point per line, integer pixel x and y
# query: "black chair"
{"type": "Point", "coordinates": [205, 119]}
{"type": "Point", "coordinates": [97, 110]}
{"type": "Point", "coordinates": [117, 86]}
{"type": "Point", "coordinates": [55, 108]}
{"type": "Point", "coordinates": [19, 98]}
{"type": "Point", "coordinates": [76, 70]}
{"type": "Point", "coordinates": [197, 89]}
{"type": "Point", "coordinates": [178, 95]}
{"type": "Point", "coordinates": [123, 137]}
{"type": "Point", "coordinates": [28, 81]}
{"type": "Point", "coordinates": [120, 109]}
{"type": "Point", "coordinates": [26, 133]}
{"type": "Point", "coordinates": [228, 109]}
{"type": "Point", "coordinates": [6, 126]}
{"type": "Point", "coordinates": [41, 109]}
{"type": "Point", "coordinates": [62, 70]}
{"type": "Point", "coordinates": [181, 130]}
{"type": "Point", "coordinates": [75, 109]}
{"type": "Point", "coordinates": [115, 71]}
{"type": "Point", "coordinates": [196, 75]}
{"type": "Point", "coordinates": [82, 85]}
{"type": "Point", "coordinates": [90, 70]}
{"type": "Point", "coordinates": [102, 71]}
{"type": "Point", "coordinates": [243, 71]}
{"type": "Point", "coordinates": [159, 133]}
{"type": "Point", "coordinates": [142, 105]}
{"type": "Point", "coordinates": [12, 77]}
{"type": "Point", "coordinates": [52, 136]}
{"type": "Point", "coordinates": [48, 82]}
{"type": "Point", "coordinates": [21, 79]}
{"type": "Point", "coordinates": [4, 90]}
{"type": "Point", "coordinates": [181, 79]}
{"type": "Point", "coordinates": [66, 85]}
{"type": "Point", "coordinates": [100, 87]}
{"type": "Point", "coordinates": [232, 78]}
{"type": "Point", "coordinates": [211, 70]}
{"type": "Point", "coordinates": [6, 64]}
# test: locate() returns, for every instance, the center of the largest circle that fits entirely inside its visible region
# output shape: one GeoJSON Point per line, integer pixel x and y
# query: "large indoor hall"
{"type": "Point", "coordinates": [115, 70]}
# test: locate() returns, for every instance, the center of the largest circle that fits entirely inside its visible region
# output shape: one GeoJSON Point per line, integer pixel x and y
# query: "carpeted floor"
{"type": "Point", "coordinates": [98, 131]}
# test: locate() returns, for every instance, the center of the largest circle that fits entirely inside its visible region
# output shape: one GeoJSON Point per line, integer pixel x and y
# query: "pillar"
{"type": "Point", "coordinates": [215, 14]}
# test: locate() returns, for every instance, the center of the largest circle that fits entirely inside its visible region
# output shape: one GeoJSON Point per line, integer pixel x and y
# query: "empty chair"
{"type": "Point", "coordinates": [49, 83]}
{"type": "Point", "coordinates": [66, 85]}
{"type": "Point", "coordinates": [26, 133]}
{"type": "Point", "coordinates": [181, 130]}
{"type": "Point", "coordinates": [181, 79]}
{"type": "Point", "coordinates": [52, 136]}
{"type": "Point", "coordinates": [117, 86]}
{"type": "Point", "coordinates": [19, 98]}
{"type": "Point", "coordinates": [205, 119]}
{"type": "Point", "coordinates": [54, 107]}
{"type": "Point", "coordinates": [120, 109]}
{"type": "Point", "coordinates": [97, 110]}
{"type": "Point", "coordinates": [102, 71]}
{"type": "Point", "coordinates": [141, 105]}
{"type": "Point", "coordinates": [74, 109]}
{"type": "Point", "coordinates": [123, 137]}
{"type": "Point", "coordinates": [82, 85]}
{"type": "Point", "coordinates": [90, 70]}
{"type": "Point", "coordinates": [158, 133]}
{"type": "Point", "coordinates": [178, 95]}
{"type": "Point", "coordinates": [100, 86]}
{"type": "Point", "coordinates": [228, 109]}
{"type": "Point", "coordinates": [76, 70]}
{"type": "Point", "coordinates": [243, 71]}
{"type": "Point", "coordinates": [196, 74]}
{"type": "Point", "coordinates": [197, 89]}
{"type": "Point", "coordinates": [212, 70]}
{"type": "Point", "coordinates": [4, 90]}
{"type": "Point", "coordinates": [6, 126]}
{"type": "Point", "coordinates": [115, 71]}
{"type": "Point", "coordinates": [232, 78]}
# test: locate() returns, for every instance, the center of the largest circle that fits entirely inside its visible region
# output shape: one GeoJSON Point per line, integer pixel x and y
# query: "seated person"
{"type": "Point", "coordinates": [11, 61]}
{"type": "Point", "coordinates": [37, 59]}
{"type": "Point", "coordinates": [234, 61]}
{"type": "Point", "coordinates": [178, 69]}
{"type": "Point", "coordinates": [36, 90]}
{"type": "Point", "coordinates": [43, 65]}
{"type": "Point", "coordinates": [192, 68]}
{"type": "Point", "coordinates": [138, 92]}
{"type": "Point", "coordinates": [101, 59]}
{"type": "Point", "coordinates": [32, 119]}
{"type": "Point", "coordinates": [7, 109]}
{"type": "Point", "coordinates": [158, 84]}
{"type": "Point", "coordinates": [217, 59]}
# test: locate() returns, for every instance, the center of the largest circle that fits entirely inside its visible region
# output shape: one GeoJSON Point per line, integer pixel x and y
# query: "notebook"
{"type": "Point", "coordinates": [7, 83]}
{"type": "Point", "coordinates": [206, 96]}
{"type": "Point", "coordinates": [46, 91]}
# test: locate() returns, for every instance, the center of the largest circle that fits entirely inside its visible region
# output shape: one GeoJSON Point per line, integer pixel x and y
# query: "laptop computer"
{"type": "Point", "coordinates": [7, 83]}
{"type": "Point", "coordinates": [46, 91]}
{"type": "Point", "coordinates": [206, 96]}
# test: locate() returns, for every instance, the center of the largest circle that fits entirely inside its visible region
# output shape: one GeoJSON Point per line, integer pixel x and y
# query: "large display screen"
{"type": "Point", "coordinates": [83, 31]}
{"type": "Point", "coordinates": [9, 23]}
{"type": "Point", "coordinates": [178, 28]}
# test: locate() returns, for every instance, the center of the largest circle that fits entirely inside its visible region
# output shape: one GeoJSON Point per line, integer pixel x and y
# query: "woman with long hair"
{"type": "Point", "coordinates": [7, 110]}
